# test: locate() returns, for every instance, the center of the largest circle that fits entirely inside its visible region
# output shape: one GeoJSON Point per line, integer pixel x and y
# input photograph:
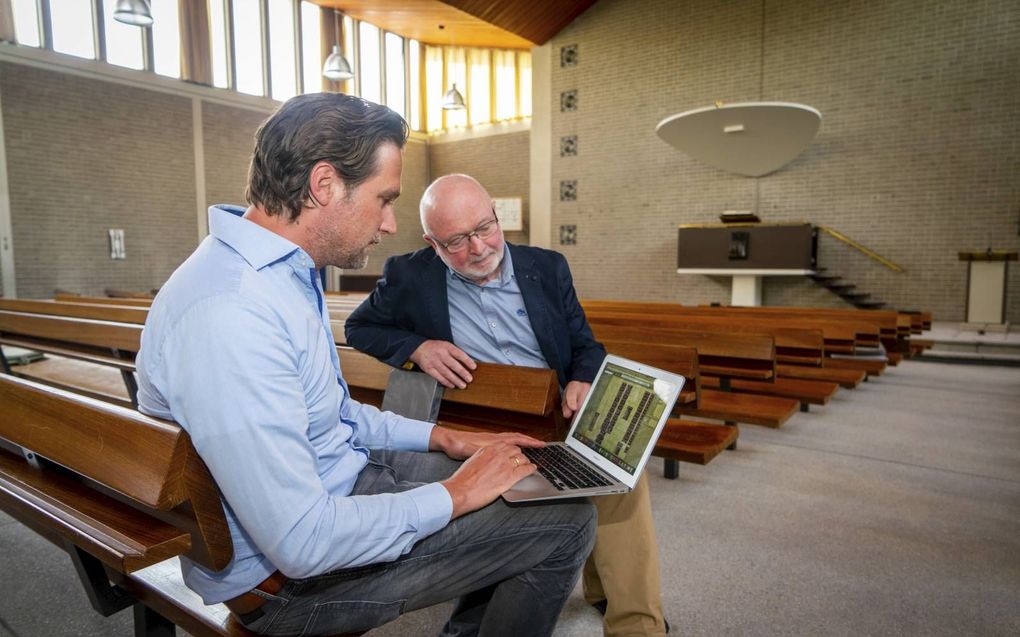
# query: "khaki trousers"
{"type": "Point", "coordinates": [623, 568]}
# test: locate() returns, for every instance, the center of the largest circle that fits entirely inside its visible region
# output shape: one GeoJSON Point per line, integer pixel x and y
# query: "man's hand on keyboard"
{"type": "Point", "coordinates": [485, 476]}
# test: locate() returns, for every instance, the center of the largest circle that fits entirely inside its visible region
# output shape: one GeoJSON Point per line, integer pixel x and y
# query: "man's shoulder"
{"type": "Point", "coordinates": [528, 255]}
{"type": "Point", "coordinates": [421, 255]}
{"type": "Point", "coordinates": [410, 261]}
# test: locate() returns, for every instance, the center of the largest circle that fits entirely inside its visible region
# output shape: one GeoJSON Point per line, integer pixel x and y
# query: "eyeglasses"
{"type": "Point", "coordinates": [459, 242]}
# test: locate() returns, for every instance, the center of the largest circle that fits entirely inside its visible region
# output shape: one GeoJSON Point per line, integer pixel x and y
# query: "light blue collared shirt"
{"type": "Point", "coordinates": [237, 348]}
{"type": "Point", "coordinates": [490, 322]}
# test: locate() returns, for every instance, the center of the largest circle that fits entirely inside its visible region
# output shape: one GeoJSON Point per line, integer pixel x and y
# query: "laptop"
{"type": "Point", "coordinates": [611, 436]}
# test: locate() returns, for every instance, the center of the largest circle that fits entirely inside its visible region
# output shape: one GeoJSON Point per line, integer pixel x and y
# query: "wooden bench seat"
{"type": "Point", "coordinates": [808, 392]}
{"type": "Point", "coordinates": [869, 367]}
{"type": "Point", "coordinates": [753, 409]}
{"type": "Point", "coordinates": [846, 378]}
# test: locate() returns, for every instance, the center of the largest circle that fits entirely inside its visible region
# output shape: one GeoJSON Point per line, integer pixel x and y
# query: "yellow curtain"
{"type": "Point", "coordinates": [196, 46]}
{"type": "Point", "coordinates": [433, 88]}
{"type": "Point", "coordinates": [505, 65]}
{"type": "Point", "coordinates": [524, 84]}
{"type": "Point", "coordinates": [480, 99]}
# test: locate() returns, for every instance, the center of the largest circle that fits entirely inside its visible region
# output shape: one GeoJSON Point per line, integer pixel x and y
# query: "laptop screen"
{"type": "Point", "coordinates": [622, 412]}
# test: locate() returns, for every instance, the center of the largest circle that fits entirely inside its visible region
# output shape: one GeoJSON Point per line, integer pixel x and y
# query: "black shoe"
{"type": "Point", "coordinates": [601, 606]}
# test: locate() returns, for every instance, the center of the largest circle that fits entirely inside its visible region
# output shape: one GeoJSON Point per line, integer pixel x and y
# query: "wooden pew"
{"type": "Point", "coordinates": [793, 346]}
{"type": "Point", "coordinates": [120, 491]}
{"type": "Point", "coordinates": [506, 398]}
{"type": "Point", "coordinates": [101, 300]}
{"type": "Point", "coordinates": [843, 333]}
{"type": "Point", "coordinates": [100, 312]}
{"type": "Point", "coordinates": [729, 357]}
{"type": "Point", "coordinates": [100, 342]}
{"type": "Point", "coordinates": [125, 495]}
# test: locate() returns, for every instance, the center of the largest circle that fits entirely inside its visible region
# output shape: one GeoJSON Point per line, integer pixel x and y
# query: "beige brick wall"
{"type": "Point", "coordinates": [76, 168]}
{"type": "Point", "coordinates": [228, 137]}
{"type": "Point", "coordinates": [413, 182]}
{"type": "Point", "coordinates": [916, 157]}
{"type": "Point", "coordinates": [499, 162]}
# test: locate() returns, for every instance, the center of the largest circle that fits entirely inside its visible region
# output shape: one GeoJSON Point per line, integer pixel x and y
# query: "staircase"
{"type": "Point", "coordinates": [846, 291]}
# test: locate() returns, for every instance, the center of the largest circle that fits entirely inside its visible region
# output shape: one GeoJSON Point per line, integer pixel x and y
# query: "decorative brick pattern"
{"type": "Point", "coordinates": [568, 235]}
{"type": "Point", "coordinates": [568, 56]}
{"type": "Point", "coordinates": [568, 101]}
{"type": "Point", "coordinates": [916, 156]}
{"type": "Point", "coordinates": [568, 190]}
{"type": "Point", "coordinates": [568, 146]}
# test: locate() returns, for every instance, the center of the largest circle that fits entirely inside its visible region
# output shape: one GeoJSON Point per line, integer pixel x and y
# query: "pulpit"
{"type": "Point", "coordinates": [747, 252]}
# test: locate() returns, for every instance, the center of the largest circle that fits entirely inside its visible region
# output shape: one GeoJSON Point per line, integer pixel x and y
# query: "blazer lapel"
{"type": "Point", "coordinates": [436, 302]}
{"type": "Point", "coordinates": [529, 280]}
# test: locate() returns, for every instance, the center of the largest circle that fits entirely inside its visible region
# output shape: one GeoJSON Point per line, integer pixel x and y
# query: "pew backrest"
{"type": "Point", "coordinates": [124, 487]}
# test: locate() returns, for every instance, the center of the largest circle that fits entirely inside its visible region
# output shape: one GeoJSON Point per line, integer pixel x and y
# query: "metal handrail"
{"type": "Point", "coordinates": [853, 244]}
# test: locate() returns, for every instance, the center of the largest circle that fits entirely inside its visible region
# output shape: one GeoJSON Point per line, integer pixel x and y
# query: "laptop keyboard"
{"type": "Point", "coordinates": [562, 469]}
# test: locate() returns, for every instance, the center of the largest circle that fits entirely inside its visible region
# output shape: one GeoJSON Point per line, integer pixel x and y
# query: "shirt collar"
{"type": "Point", "coordinates": [256, 245]}
{"type": "Point", "coordinates": [506, 270]}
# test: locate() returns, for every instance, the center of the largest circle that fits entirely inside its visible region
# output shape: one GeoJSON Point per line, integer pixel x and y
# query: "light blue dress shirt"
{"type": "Point", "coordinates": [490, 322]}
{"type": "Point", "coordinates": [237, 348]}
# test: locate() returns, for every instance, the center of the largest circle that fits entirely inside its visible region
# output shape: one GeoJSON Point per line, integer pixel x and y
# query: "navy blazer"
{"type": "Point", "coordinates": [409, 306]}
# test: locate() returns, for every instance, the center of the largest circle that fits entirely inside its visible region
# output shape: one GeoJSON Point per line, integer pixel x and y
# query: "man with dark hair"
{"type": "Point", "coordinates": [472, 296]}
{"type": "Point", "coordinates": [328, 536]}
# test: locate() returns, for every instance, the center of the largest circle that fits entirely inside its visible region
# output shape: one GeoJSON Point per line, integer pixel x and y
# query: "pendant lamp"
{"type": "Point", "coordinates": [453, 100]}
{"type": "Point", "coordinates": [337, 68]}
{"type": "Point", "coordinates": [133, 12]}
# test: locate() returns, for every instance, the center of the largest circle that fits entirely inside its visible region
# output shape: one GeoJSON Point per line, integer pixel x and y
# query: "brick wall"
{"type": "Point", "coordinates": [413, 182]}
{"type": "Point", "coordinates": [228, 137]}
{"type": "Point", "coordinates": [84, 156]}
{"type": "Point", "coordinates": [499, 162]}
{"type": "Point", "coordinates": [916, 157]}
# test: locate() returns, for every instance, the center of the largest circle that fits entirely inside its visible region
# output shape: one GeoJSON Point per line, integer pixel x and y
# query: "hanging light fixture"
{"type": "Point", "coordinates": [337, 68]}
{"type": "Point", "coordinates": [453, 100]}
{"type": "Point", "coordinates": [133, 12]}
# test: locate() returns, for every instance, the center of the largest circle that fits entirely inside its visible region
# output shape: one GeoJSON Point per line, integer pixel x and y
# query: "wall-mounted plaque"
{"type": "Point", "coordinates": [509, 212]}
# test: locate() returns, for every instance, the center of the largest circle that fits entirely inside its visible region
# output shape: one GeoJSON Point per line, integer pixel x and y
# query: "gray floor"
{"type": "Point", "coordinates": [894, 510]}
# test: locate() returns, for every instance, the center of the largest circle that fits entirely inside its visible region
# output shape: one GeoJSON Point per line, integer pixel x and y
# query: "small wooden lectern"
{"type": "Point", "coordinates": [986, 285]}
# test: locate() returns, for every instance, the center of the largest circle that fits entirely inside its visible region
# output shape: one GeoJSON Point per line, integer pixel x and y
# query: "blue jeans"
{"type": "Point", "coordinates": [511, 568]}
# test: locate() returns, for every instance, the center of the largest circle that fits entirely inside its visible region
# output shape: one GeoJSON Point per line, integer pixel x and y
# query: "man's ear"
{"type": "Point", "coordinates": [432, 242]}
{"type": "Point", "coordinates": [325, 184]}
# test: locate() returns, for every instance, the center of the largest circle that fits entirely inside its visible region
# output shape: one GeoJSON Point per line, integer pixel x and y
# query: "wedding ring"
{"type": "Point", "coordinates": [517, 461]}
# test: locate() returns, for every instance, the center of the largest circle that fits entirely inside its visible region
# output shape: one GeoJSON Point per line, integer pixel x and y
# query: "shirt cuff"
{"type": "Point", "coordinates": [410, 434]}
{"type": "Point", "coordinates": [435, 507]}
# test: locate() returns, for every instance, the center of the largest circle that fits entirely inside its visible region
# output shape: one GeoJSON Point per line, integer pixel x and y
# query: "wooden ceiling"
{"type": "Point", "coordinates": [511, 24]}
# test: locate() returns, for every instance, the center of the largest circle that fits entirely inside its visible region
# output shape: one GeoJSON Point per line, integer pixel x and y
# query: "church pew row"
{"type": "Point", "coordinates": [79, 337]}
{"type": "Point", "coordinates": [835, 329]}
{"type": "Point", "coordinates": [735, 356]}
